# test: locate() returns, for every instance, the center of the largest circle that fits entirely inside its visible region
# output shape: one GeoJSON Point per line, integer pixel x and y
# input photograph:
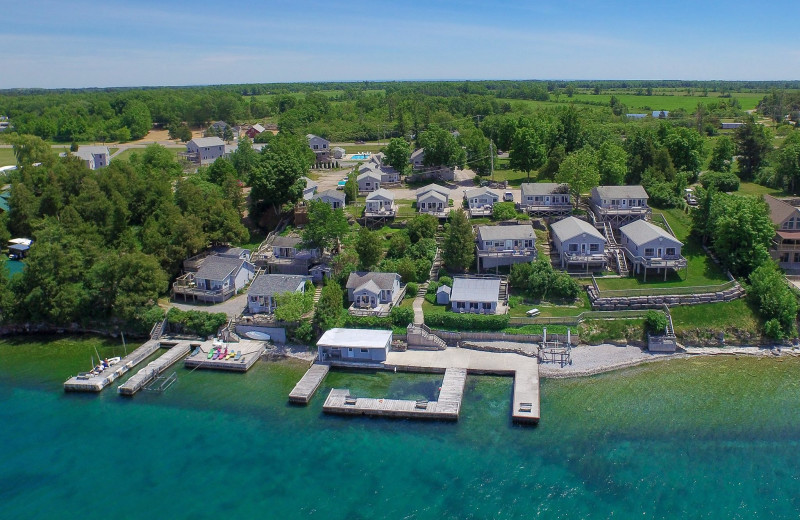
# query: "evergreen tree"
{"type": "Point", "coordinates": [458, 251]}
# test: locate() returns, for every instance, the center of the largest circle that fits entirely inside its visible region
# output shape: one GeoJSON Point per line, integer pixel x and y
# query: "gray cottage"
{"type": "Point", "coordinates": [619, 205]}
{"type": "Point", "coordinates": [350, 345]}
{"type": "Point", "coordinates": [434, 200]}
{"type": "Point", "coordinates": [204, 150]}
{"type": "Point", "coordinates": [380, 203]}
{"type": "Point", "coordinates": [310, 190]}
{"type": "Point", "coordinates": [578, 244]}
{"type": "Point", "coordinates": [480, 201]}
{"type": "Point", "coordinates": [373, 293]}
{"type": "Point", "coordinates": [321, 147]}
{"type": "Point", "coordinates": [263, 292]}
{"type": "Point", "coordinates": [217, 279]}
{"type": "Point", "coordinates": [369, 181]}
{"type": "Point", "coordinates": [417, 159]}
{"type": "Point", "coordinates": [334, 198]}
{"type": "Point", "coordinates": [288, 256]}
{"type": "Point", "coordinates": [647, 246]}
{"type": "Point", "coordinates": [505, 245]}
{"type": "Point", "coordinates": [94, 157]}
{"type": "Point", "coordinates": [545, 199]}
{"type": "Point", "coordinates": [476, 295]}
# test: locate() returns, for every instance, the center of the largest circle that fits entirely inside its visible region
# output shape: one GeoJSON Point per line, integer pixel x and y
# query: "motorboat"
{"type": "Point", "coordinates": [254, 334]}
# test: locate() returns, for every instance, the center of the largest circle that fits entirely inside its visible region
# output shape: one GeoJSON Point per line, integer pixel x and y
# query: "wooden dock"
{"type": "Point", "coordinates": [95, 383]}
{"type": "Point", "coordinates": [447, 408]}
{"type": "Point", "coordinates": [525, 405]}
{"type": "Point", "coordinates": [305, 389]}
{"type": "Point", "coordinates": [153, 369]}
{"type": "Point", "coordinates": [251, 351]}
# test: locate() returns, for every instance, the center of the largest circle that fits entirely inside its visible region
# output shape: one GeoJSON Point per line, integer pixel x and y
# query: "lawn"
{"type": "Point", "coordinates": [736, 314]}
{"type": "Point", "coordinates": [599, 331]}
{"type": "Point", "coordinates": [552, 309]}
{"type": "Point", "coordinates": [405, 208]}
{"type": "Point", "coordinates": [751, 188]}
{"type": "Point", "coordinates": [640, 104]}
{"type": "Point", "coordinates": [125, 155]}
{"type": "Point", "coordinates": [7, 157]}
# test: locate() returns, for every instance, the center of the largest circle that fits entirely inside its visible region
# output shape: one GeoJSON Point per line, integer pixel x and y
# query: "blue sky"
{"type": "Point", "coordinates": [82, 43]}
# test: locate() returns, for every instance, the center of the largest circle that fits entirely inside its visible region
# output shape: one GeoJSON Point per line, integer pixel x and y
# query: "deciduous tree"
{"type": "Point", "coordinates": [579, 170]}
{"type": "Point", "coordinates": [458, 251]}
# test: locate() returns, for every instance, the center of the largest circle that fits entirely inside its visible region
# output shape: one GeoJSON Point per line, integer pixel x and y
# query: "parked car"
{"type": "Point", "coordinates": [533, 312]}
{"type": "Point", "coordinates": [508, 196]}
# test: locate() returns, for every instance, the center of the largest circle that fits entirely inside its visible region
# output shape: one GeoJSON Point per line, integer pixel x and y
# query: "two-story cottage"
{"type": "Point", "coordinates": [369, 181]}
{"type": "Point", "coordinates": [204, 150]}
{"type": "Point", "coordinates": [334, 198]}
{"type": "Point", "coordinates": [388, 175]}
{"type": "Point", "coordinates": [373, 293]}
{"type": "Point", "coordinates": [647, 246]}
{"type": "Point", "coordinates": [288, 256]}
{"type": "Point", "coordinates": [505, 245]}
{"type": "Point", "coordinates": [619, 205]}
{"type": "Point", "coordinates": [254, 130]}
{"type": "Point", "coordinates": [480, 201]}
{"type": "Point", "coordinates": [263, 292]}
{"type": "Point", "coordinates": [321, 147]}
{"type": "Point", "coordinates": [433, 200]}
{"type": "Point", "coordinates": [417, 159]}
{"type": "Point", "coordinates": [477, 296]}
{"type": "Point", "coordinates": [546, 199]}
{"type": "Point", "coordinates": [786, 244]}
{"type": "Point", "coordinates": [380, 203]}
{"type": "Point", "coordinates": [217, 279]}
{"type": "Point", "coordinates": [94, 157]}
{"type": "Point", "coordinates": [578, 244]}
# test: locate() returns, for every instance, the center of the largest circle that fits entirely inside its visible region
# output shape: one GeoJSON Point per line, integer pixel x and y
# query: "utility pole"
{"type": "Point", "coordinates": [491, 158]}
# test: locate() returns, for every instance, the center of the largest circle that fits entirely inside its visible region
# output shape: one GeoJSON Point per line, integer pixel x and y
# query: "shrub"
{"type": "Point", "coordinates": [424, 248]}
{"type": "Point", "coordinates": [445, 280]}
{"type": "Point", "coordinates": [773, 329]}
{"type": "Point", "coordinates": [655, 322]}
{"type": "Point", "coordinates": [368, 322]}
{"type": "Point", "coordinates": [430, 298]}
{"type": "Point", "coordinates": [722, 181]}
{"type": "Point", "coordinates": [401, 316]}
{"type": "Point", "coordinates": [662, 195]}
{"type": "Point", "coordinates": [433, 286]}
{"type": "Point", "coordinates": [504, 211]}
{"type": "Point", "coordinates": [399, 244]}
{"type": "Point", "coordinates": [455, 321]}
{"type": "Point", "coordinates": [411, 289]}
{"type": "Point", "coordinates": [304, 333]}
{"type": "Point", "coordinates": [422, 226]}
{"type": "Point", "coordinates": [203, 324]}
{"type": "Point", "coordinates": [775, 300]}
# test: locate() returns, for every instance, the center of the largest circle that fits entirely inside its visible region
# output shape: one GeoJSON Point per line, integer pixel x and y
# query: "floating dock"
{"type": "Point", "coordinates": [305, 389]}
{"type": "Point", "coordinates": [447, 408]}
{"type": "Point", "coordinates": [87, 382]}
{"type": "Point", "coordinates": [251, 351]}
{"type": "Point", "coordinates": [153, 369]}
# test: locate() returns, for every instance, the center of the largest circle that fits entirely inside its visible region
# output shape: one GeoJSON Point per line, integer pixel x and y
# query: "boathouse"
{"type": "Point", "coordinates": [354, 345]}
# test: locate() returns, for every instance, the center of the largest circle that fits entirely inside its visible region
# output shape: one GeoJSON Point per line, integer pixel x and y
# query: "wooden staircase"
{"type": "Point", "coordinates": [615, 251]}
{"type": "Point", "coordinates": [317, 293]}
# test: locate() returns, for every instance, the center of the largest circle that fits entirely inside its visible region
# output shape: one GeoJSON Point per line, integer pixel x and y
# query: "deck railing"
{"type": "Point", "coordinates": [663, 291]}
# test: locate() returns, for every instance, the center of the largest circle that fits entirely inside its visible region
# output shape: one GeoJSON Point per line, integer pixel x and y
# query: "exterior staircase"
{"type": "Point", "coordinates": [436, 266]}
{"type": "Point", "coordinates": [317, 293]}
{"type": "Point", "coordinates": [615, 251]}
{"type": "Point", "coordinates": [421, 337]}
{"type": "Point", "coordinates": [158, 329]}
{"type": "Point", "coordinates": [422, 290]}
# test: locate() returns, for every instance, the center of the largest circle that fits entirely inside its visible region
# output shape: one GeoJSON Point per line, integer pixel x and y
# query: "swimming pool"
{"type": "Point", "coordinates": [360, 156]}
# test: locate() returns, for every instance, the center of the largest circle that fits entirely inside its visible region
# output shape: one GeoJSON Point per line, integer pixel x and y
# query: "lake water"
{"type": "Point", "coordinates": [698, 438]}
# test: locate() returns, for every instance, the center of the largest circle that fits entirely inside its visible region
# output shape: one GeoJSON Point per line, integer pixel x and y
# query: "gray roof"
{"type": "Point", "coordinates": [272, 284]}
{"type": "Point", "coordinates": [477, 192]}
{"type": "Point", "coordinates": [641, 232]}
{"type": "Point", "coordinates": [542, 188]}
{"type": "Point", "coordinates": [312, 136]}
{"type": "Point", "coordinates": [287, 241]}
{"type": "Point", "coordinates": [331, 194]}
{"type": "Point", "coordinates": [417, 154]}
{"type": "Point", "coordinates": [204, 142]}
{"type": "Point", "coordinates": [218, 268]}
{"type": "Point", "coordinates": [372, 174]}
{"type": "Point", "coordinates": [231, 252]}
{"type": "Point", "coordinates": [93, 149]}
{"type": "Point", "coordinates": [384, 281]}
{"type": "Point", "coordinates": [310, 183]}
{"type": "Point", "coordinates": [572, 227]}
{"type": "Point", "coordinates": [443, 289]}
{"type": "Point", "coordinates": [620, 192]}
{"type": "Point", "coordinates": [381, 193]}
{"type": "Point", "coordinates": [475, 289]}
{"type": "Point", "coordinates": [433, 187]}
{"type": "Point", "coordinates": [515, 232]}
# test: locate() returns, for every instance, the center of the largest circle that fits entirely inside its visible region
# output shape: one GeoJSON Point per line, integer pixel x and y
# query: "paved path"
{"type": "Point", "coordinates": [473, 360]}
{"type": "Point", "coordinates": [419, 316]}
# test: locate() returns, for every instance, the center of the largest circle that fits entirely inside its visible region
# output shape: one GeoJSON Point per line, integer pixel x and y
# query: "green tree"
{"type": "Point", "coordinates": [422, 226]}
{"type": "Point", "coordinates": [775, 300]}
{"type": "Point", "coordinates": [504, 211]}
{"type": "Point", "coordinates": [351, 188]}
{"type": "Point", "coordinates": [329, 311]}
{"type": "Point", "coordinates": [136, 117]}
{"type": "Point", "coordinates": [579, 171]}
{"type": "Point", "coordinates": [612, 164]}
{"type": "Point", "coordinates": [441, 148]}
{"type": "Point", "coordinates": [458, 251]}
{"type": "Point", "coordinates": [245, 158]}
{"type": "Point", "coordinates": [398, 153]}
{"type": "Point", "coordinates": [369, 248]}
{"type": "Point", "coordinates": [277, 177]}
{"type": "Point", "coordinates": [722, 155]}
{"type": "Point", "coordinates": [326, 226]}
{"type": "Point", "coordinates": [399, 244]}
{"type": "Point", "coordinates": [528, 151]}
{"type": "Point", "coordinates": [291, 306]}
{"type": "Point", "coordinates": [479, 150]}
{"type": "Point", "coordinates": [753, 142]}
{"type": "Point", "coordinates": [787, 163]}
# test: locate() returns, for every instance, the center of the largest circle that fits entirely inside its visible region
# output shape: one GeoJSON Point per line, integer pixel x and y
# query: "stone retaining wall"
{"type": "Point", "coordinates": [498, 349]}
{"type": "Point", "coordinates": [658, 302]}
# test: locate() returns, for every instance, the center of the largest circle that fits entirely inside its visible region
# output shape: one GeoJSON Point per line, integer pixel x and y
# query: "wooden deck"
{"type": "Point", "coordinates": [251, 351]}
{"type": "Point", "coordinates": [448, 406]}
{"type": "Point", "coordinates": [96, 383]}
{"type": "Point", "coordinates": [305, 389]}
{"type": "Point", "coordinates": [153, 369]}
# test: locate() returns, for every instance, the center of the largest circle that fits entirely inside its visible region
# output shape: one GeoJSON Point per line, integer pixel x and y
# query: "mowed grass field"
{"type": "Point", "coordinates": [125, 155]}
{"type": "Point", "coordinates": [300, 95]}
{"type": "Point", "coordinates": [748, 100]}
{"type": "Point", "coordinates": [7, 157]}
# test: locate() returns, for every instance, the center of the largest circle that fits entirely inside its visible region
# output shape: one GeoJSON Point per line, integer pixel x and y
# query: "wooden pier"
{"type": "Point", "coordinates": [448, 406]}
{"type": "Point", "coordinates": [305, 389]}
{"type": "Point", "coordinates": [525, 406]}
{"type": "Point", "coordinates": [153, 369]}
{"type": "Point", "coordinates": [251, 351]}
{"type": "Point", "coordinates": [87, 382]}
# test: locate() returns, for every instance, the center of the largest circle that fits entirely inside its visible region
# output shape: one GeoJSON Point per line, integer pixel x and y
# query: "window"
{"type": "Point", "coordinates": [316, 146]}
{"type": "Point", "coordinates": [594, 248]}
{"type": "Point", "coordinates": [460, 305]}
{"type": "Point", "coordinates": [670, 251]}
{"type": "Point", "coordinates": [649, 252]}
{"type": "Point", "coordinates": [487, 306]}
{"type": "Point", "coordinates": [473, 305]}
{"type": "Point", "coordinates": [784, 257]}
{"type": "Point", "coordinates": [573, 248]}
{"type": "Point", "coordinates": [529, 243]}
{"type": "Point", "coordinates": [796, 257]}
{"type": "Point", "coordinates": [614, 202]}
{"type": "Point", "coordinates": [364, 350]}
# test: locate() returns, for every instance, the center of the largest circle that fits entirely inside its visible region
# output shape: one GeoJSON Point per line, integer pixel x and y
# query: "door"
{"type": "Point", "coordinates": [583, 249]}
{"type": "Point", "coordinates": [660, 253]}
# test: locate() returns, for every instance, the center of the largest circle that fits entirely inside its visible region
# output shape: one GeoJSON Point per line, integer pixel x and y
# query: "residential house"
{"type": "Point", "coordinates": [417, 159]}
{"type": "Point", "coordinates": [618, 205]}
{"type": "Point", "coordinates": [373, 293]}
{"type": "Point", "coordinates": [380, 203]}
{"type": "Point", "coordinates": [321, 147]}
{"type": "Point", "coordinates": [434, 200]}
{"type": "Point", "coordinates": [333, 197]}
{"type": "Point", "coordinates": [368, 181]}
{"type": "Point", "coordinates": [204, 150]}
{"type": "Point", "coordinates": [263, 292]}
{"type": "Point", "coordinates": [546, 199]}
{"type": "Point", "coordinates": [647, 246]}
{"type": "Point", "coordinates": [578, 244]}
{"type": "Point", "coordinates": [505, 245]}
{"type": "Point", "coordinates": [338, 152]}
{"type": "Point", "coordinates": [387, 173]}
{"type": "Point", "coordinates": [480, 201]}
{"type": "Point", "coordinates": [217, 279]}
{"type": "Point", "coordinates": [254, 130]}
{"type": "Point", "coordinates": [94, 157]}
{"type": "Point", "coordinates": [635, 116]}
{"type": "Point", "coordinates": [218, 128]}
{"type": "Point", "coordinates": [350, 345]}
{"type": "Point", "coordinates": [288, 256]}
{"type": "Point", "coordinates": [660, 114]}
{"type": "Point", "coordinates": [786, 244]}
{"type": "Point", "coordinates": [310, 190]}
{"type": "Point", "coordinates": [476, 295]}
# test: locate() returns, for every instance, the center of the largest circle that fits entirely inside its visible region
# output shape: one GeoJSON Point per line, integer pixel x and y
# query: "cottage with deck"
{"type": "Point", "coordinates": [578, 244]}
{"type": "Point", "coordinates": [481, 201]}
{"type": "Point", "coordinates": [546, 199]}
{"type": "Point", "coordinates": [786, 243]}
{"type": "Point", "coordinates": [369, 181]}
{"type": "Point", "coordinates": [94, 157]}
{"type": "Point", "coordinates": [288, 256]}
{"type": "Point", "coordinates": [334, 198]}
{"type": "Point", "coordinates": [263, 292]}
{"type": "Point", "coordinates": [321, 147]}
{"type": "Point", "coordinates": [380, 203]}
{"type": "Point", "coordinates": [476, 295]}
{"type": "Point", "coordinates": [647, 246]}
{"type": "Point", "coordinates": [618, 205]}
{"type": "Point", "coordinates": [373, 293]}
{"type": "Point", "coordinates": [434, 200]}
{"type": "Point", "coordinates": [217, 279]}
{"type": "Point", "coordinates": [505, 245]}
{"type": "Point", "coordinates": [204, 150]}
{"type": "Point", "coordinates": [354, 345]}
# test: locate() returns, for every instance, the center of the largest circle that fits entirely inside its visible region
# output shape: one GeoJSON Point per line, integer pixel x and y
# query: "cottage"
{"type": "Point", "coordinates": [354, 345]}
{"type": "Point", "coordinates": [232, 252]}
{"type": "Point", "coordinates": [373, 293]}
{"type": "Point", "coordinates": [480, 201]}
{"type": "Point", "coordinates": [619, 205]}
{"type": "Point", "coordinates": [204, 150]}
{"type": "Point", "coordinates": [434, 200]}
{"type": "Point", "coordinates": [368, 181]}
{"type": "Point", "coordinates": [647, 246]}
{"type": "Point", "coordinates": [578, 243]}
{"type": "Point", "coordinates": [505, 245]}
{"type": "Point", "coordinates": [321, 147]}
{"type": "Point", "coordinates": [263, 292]}
{"type": "Point", "coordinates": [786, 244]}
{"type": "Point", "coordinates": [310, 190]}
{"type": "Point", "coordinates": [546, 199]}
{"type": "Point", "coordinates": [380, 203]}
{"type": "Point", "coordinates": [219, 128]}
{"type": "Point", "coordinates": [288, 256]}
{"type": "Point", "coordinates": [417, 159]}
{"type": "Point", "coordinates": [217, 279]}
{"type": "Point", "coordinates": [475, 295]}
{"type": "Point", "coordinates": [254, 130]}
{"type": "Point", "coordinates": [332, 197]}
{"type": "Point", "coordinates": [94, 157]}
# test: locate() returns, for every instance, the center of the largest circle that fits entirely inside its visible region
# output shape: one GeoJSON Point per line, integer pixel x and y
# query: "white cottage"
{"type": "Point", "coordinates": [354, 345]}
{"type": "Point", "coordinates": [481, 201]}
{"type": "Point", "coordinates": [578, 243]}
{"type": "Point", "coordinates": [434, 200]}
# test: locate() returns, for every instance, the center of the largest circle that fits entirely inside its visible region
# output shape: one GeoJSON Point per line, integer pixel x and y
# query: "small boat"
{"type": "Point", "coordinates": [237, 356]}
{"type": "Point", "coordinates": [212, 353]}
{"type": "Point", "coordinates": [195, 352]}
{"type": "Point", "coordinates": [114, 360]}
{"type": "Point", "coordinates": [254, 334]}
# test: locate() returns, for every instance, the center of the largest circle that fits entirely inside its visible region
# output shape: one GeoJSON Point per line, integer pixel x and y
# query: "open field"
{"type": "Point", "coordinates": [125, 155]}
{"type": "Point", "coordinates": [7, 157]}
{"type": "Point", "coordinates": [299, 95]}
{"type": "Point", "coordinates": [751, 188]}
{"type": "Point", "coordinates": [717, 316]}
{"type": "Point", "coordinates": [748, 100]}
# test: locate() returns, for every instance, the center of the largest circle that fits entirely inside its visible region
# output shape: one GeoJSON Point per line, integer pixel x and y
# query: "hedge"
{"type": "Point", "coordinates": [203, 324]}
{"type": "Point", "coordinates": [457, 321]}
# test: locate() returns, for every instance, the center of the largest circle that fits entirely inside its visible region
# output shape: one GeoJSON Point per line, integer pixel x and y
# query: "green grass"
{"type": "Point", "coordinates": [751, 188]}
{"type": "Point", "coordinates": [599, 331]}
{"type": "Point", "coordinates": [256, 237]}
{"type": "Point", "coordinates": [552, 309]}
{"type": "Point", "coordinates": [639, 104]}
{"type": "Point", "coordinates": [405, 208]}
{"type": "Point", "coordinates": [536, 329]}
{"type": "Point", "coordinates": [737, 314]}
{"type": "Point", "coordinates": [125, 155]}
{"type": "Point", "coordinates": [7, 157]}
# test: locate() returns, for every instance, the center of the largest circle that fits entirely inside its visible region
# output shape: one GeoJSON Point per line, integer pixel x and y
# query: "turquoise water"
{"type": "Point", "coordinates": [13, 266]}
{"type": "Point", "coordinates": [361, 156]}
{"type": "Point", "coordinates": [701, 438]}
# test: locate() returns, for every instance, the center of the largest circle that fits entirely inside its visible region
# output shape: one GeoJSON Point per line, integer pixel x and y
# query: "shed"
{"type": "Point", "coordinates": [443, 295]}
{"type": "Point", "coordinates": [354, 345]}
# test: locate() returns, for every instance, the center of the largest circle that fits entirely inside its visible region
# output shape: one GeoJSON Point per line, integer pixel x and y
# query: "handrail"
{"type": "Point", "coordinates": [664, 291]}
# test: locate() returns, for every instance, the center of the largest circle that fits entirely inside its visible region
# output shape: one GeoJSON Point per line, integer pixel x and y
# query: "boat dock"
{"type": "Point", "coordinates": [87, 382]}
{"type": "Point", "coordinates": [153, 369]}
{"type": "Point", "coordinates": [448, 406]}
{"type": "Point", "coordinates": [525, 406]}
{"type": "Point", "coordinates": [305, 389]}
{"type": "Point", "coordinates": [250, 350]}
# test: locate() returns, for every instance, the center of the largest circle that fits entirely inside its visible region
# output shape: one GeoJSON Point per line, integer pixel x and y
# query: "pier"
{"type": "Point", "coordinates": [447, 408]}
{"type": "Point", "coordinates": [305, 389]}
{"type": "Point", "coordinates": [87, 382]}
{"type": "Point", "coordinates": [153, 369]}
{"type": "Point", "coordinates": [250, 350]}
